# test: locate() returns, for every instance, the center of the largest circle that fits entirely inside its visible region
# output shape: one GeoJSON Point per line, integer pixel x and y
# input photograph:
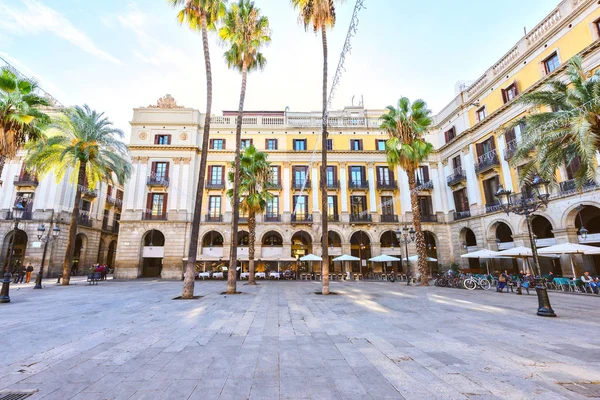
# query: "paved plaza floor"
{"type": "Point", "coordinates": [374, 340]}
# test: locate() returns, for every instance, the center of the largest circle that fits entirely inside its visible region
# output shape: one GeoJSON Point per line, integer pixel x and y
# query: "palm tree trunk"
{"type": "Point", "coordinates": [236, 188]}
{"type": "Point", "coordinates": [66, 275]}
{"type": "Point", "coordinates": [420, 239]}
{"type": "Point", "coordinates": [190, 269]}
{"type": "Point", "coordinates": [251, 242]}
{"type": "Point", "coordinates": [2, 162]}
{"type": "Point", "coordinates": [324, 221]}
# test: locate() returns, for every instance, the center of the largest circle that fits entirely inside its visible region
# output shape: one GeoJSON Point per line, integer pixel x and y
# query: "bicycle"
{"type": "Point", "coordinates": [472, 283]}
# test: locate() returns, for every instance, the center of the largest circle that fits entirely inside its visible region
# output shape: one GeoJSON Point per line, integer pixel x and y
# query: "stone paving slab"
{"type": "Point", "coordinates": [278, 340]}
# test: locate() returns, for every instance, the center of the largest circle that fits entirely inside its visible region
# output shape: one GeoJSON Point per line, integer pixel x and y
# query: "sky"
{"type": "Point", "coordinates": [117, 54]}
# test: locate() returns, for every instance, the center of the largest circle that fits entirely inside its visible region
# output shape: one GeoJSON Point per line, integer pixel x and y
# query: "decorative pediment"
{"type": "Point", "coordinates": [166, 102]}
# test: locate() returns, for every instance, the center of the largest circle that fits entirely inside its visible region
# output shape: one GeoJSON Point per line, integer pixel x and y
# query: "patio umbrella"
{"type": "Point", "coordinates": [383, 258]}
{"type": "Point", "coordinates": [570, 249]}
{"type": "Point", "coordinates": [312, 257]}
{"type": "Point", "coordinates": [485, 253]}
{"type": "Point", "coordinates": [416, 258]}
{"type": "Point", "coordinates": [593, 252]}
{"type": "Point", "coordinates": [521, 252]}
{"type": "Point", "coordinates": [346, 257]}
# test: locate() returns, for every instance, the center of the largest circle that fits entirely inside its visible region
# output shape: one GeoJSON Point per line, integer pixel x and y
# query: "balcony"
{"type": "Point", "coordinates": [458, 175]}
{"type": "Point", "coordinates": [493, 207]}
{"type": "Point", "coordinates": [88, 193]}
{"type": "Point", "coordinates": [389, 218]}
{"type": "Point", "coordinates": [458, 215]}
{"type": "Point", "coordinates": [157, 180]}
{"type": "Point", "coordinates": [213, 218]}
{"type": "Point", "coordinates": [358, 185]}
{"type": "Point", "coordinates": [511, 149]}
{"type": "Point", "coordinates": [569, 187]}
{"type": "Point", "coordinates": [332, 185]}
{"type": "Point", "coordinates": [487, 161]}
{"type": "Point", "coordinates": [214, 184]}
{"type": "Point", "coordinates": [297, 185]}
{"type": "Point", "coordinates": [387, 185]}
{"type": "Point", "coordinates": [85, 220]}
{"type": "Point", "coordinates": [26, 180]}
{"type": "Point", "coordinates": [148, 216]}
{"type": "Point", "coordinates": [113, 201]}
{"type": "Point", "coordinates": [429, 218]}
{"type": "Point", "coordinates": [272, 217]}
{"type": "Point", "coordinates": [27, 215]}
{"type": "Point", "coordinates": [422, 186]}
{"type": "Point", "coordinates": [362, 218]}
{"type": "Point", "coordinates": [333, 218]}
{"type": "Point", "coordinates": [302, 218]}
{"type": "Point", "coordinates": [273, 185]}
{"type": "Point", "coordinates": [243, 219]}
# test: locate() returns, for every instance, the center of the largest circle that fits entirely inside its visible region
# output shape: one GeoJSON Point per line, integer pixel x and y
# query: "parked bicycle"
{"type": "Point", "coordinates": [472, 283]}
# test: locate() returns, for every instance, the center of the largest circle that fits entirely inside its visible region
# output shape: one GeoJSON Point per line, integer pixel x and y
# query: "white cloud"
{"type": "Point", "coordinates": [37, 18]}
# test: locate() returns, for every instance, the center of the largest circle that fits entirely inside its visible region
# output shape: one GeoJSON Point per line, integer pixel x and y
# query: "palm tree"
{"type": "Point", "coordinates": [320, 14]}
{"type": "Point", "coordinates": [20, 117]}
{"type": "Point", "coordinates": [565, 127]}
{"type": "Point", "coordinates": [246, 31]}
{"type": "Point", "coordinates": [255, 178]}
{"type": "Point", "coordinates": [199, 15]}
{"type": "Point", "coordinates": [407, 147]}
{"type": "Point", "coordinates": [84, 143]}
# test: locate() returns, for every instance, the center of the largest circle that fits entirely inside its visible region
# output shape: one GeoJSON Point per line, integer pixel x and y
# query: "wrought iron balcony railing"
{"type": "Point", "coordinates": [458, 175]}
{"type": "Point", "coordinates": [387, 185]}
{"type": "Point", "coordinates": [269, 217]}
{"type": "Point", "coordinates": [389, 218]}
{"type": "Point", "coordinates": [113, 201]}
{"type": "Point", "coordinates": [511, 149]}
{"type": "Point", "coordinates": [215, 184]}
{"type": "Point", "coordinates": [26, 180]}
{"type": "Point", "coordinates": [157, 181]}
{"type": "Point", "coordinates": [273, 185]}
{"type": "Point", "coordinates": [213, 218]}
{"type": "Point", "coordinates": [424, 185]}
{"type": "Point", "coordinates": [429, 218]}
{"type": "Point", "coordinates": [299, 184]}
{"type": "Point", "coordinates": [493, 207]}
{"type": "Point", "coordinates": [27, 215]}
{"type": "Point", "coordinates": [569, 187]}
{"type": "Point", "coordinates": [358, 184]}
{"type": "Point", "coordinates": [332, 184]}
{"type": "Point", "coordinates": [361, 218]}
{"type": "Point", "coordinates": [85, 220]}
{"type": "Point", "coordinates": [487, 161]}
{"type": "Point", "coordinates": [304, 218]}
{"type": "Point", "coordinates": [333, 217]}
{"type": "Point", "coordinates": [461, 214]}
{"type": "Point", "coordinates": [148, 216]}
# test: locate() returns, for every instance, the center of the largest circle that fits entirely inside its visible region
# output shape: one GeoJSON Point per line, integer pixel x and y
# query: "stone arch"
{"type": "Point", "coordinates": [19, 249]}
{"type": "Point", "coordinates": [388, 239]}
{"type": "Point", "coordinates": [569, 218]}
{"type": "Point", "coordinates": [493, 226]}
{"type": "Point", "coordinates": [308, 232]}
{"type": "Point", "coordinates": [111, 254]}
{"type": "Point", "coordinates": [277, 230]}
{"type": "Point", "coordinates": [369, 234]}
{"type": "Point", "coordinates": [214, 238]}
{"type": "Point", "coordinates": [152, 253]}
{"type": "Point", "coordinates": [336, 236]}
{"type": "Point", "coordinates": [80, 252]}
{"type": "Point", "coordinates": [523, 222]}
{"type": "Point", "coordinates": [272, 237]}
{"type": "Point", "coordinates": [243, 237]}
{"type": "Point", "coordinates": [467, 236]}
{"type": "Point", "coordinates": [360, 246]}
{"type": "Point", "coordinates": [432, 246]}
{"type": "Point", "coordinates": [302, 242]}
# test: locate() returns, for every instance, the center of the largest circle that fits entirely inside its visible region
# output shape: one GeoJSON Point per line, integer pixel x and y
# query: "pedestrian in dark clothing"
{"type": "Point", "coordinates": [21, 275]}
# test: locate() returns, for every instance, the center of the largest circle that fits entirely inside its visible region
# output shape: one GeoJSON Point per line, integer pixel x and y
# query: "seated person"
{"type": "Point", "coordinates": [589, 281]}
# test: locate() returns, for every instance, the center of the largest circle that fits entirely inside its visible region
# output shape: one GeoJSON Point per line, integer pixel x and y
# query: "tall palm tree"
{"type": "Point", "coordinates": [245, 31]}
{"type": "Point", "coordinates": [407, 147]}
{"type": "Point", "coordinates": [565, 127]}
{"type": "Point", "coordinates": [84, 143]}
{"type": "Point", "coordinates": [320, 14]}
{"type": "Point", "coordinates": [199, 15]}
{"type": "Point", "coordinates": [20, 117]}
{"type": "Point", "coordinates": [255, 178]}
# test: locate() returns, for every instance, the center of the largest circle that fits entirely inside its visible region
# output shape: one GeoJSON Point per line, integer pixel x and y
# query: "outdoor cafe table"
{"type": "Point", "coordinates": [260, 275]}
{"type": "Point", "coordinates": [244, 275]}
{"type": "Point", "coordinates": [275, 275]}
{"type": "Point", "coordinates": [217, 275]}
{"type": "Point", "coordinates": [204, 275]}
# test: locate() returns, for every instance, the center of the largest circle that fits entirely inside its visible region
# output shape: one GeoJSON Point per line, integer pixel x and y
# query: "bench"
{"type": "Point", "coordinates": [94, 277]}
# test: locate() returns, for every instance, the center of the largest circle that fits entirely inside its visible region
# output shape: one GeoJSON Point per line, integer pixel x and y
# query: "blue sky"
{"type": "Point", "coordinates": [117, 54]}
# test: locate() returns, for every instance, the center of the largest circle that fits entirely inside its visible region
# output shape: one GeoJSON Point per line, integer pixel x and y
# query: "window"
{"type": "Point", "coordinates": [105, 219]}
{"type": "Point", "coordinates": [486, 148]}
{"type": "Point", "coordinates": [214, 206]}
{"type": "Point", "coordinates": [481, 114]}
{"type": "Point", "coordinates": [461, 202]}
{"type": "Point", "coordinates": [426, 206]}
{"type": "Point", "coordinates": [456, 163]}
{"type": "Point", "coordinates": [217, 144]}
{"type": "Point", "coordinates": [119, 194]}
{"type": "Point", "coordinates": [162, 139]}
{"type": "Point", "coordinates": [275, 177]}
{"type": "Point", "coordinates": [332, 209]}
{"type": "Point", "coordinates": [157, 203]}
{"type": "Point", "coordinates": [356, 144]}
{"type": "Point", "coordinates": [160, 170]}
{"type": "Point", "coordinates": [387, 205]}
{"type": "Point", "coordinates": [358, 204]}
{"type": "Point", "coordinates": [572, 167]}
{"type": "Point", "coordinates": [246, 143]}
{"type": "Point", "coordinates": [271, 144]}
{"type": "Point", "coordinates": [86, 205]}
{"type": "Point", "coordinates": [301, 206]}
{"type": "Point", "coordinates": [300, 144]}
{"type": "Point", "coordinates": [216, 174]}
{"type": "Point", "coordinates": [273, 207]}
{"type": "Point", "coordinates": [450, 134]}
{"type": "Point", "coordinates": [384, 175]}
{"type": "Point", "coordinates": [597, 26]}
{"type": "Point", "coordinates": [329, 144]}
{"type": "Point", "coordinates": [380, 143]}
{"type": "Point", "coordinates": [551, 63]}
{"type": "Point", "coordinates": [490, 188]}
{"type": "Point", "coordinates": [300, 175]}
{"type": "Point", "coordinates": [422, 175]}
{"type": "Point", "coordinates": [331, 175]}
{"type": "Point", "coordinates": [510, 93]}
{"type": "Point", "coordinates": [357, 175]}
{"type": "Point", "coordinates": [25, 199]}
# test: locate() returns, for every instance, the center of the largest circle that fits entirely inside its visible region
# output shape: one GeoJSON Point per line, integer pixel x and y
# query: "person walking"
{"type": "Point", "coordinates": [21, 275]}
{"type": "Point", "coordinates": [28, 272]}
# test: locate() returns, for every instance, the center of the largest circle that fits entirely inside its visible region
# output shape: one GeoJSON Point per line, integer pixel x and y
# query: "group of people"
{"type": "Point", "coordinates": [22, 274]}
{"type": "Point", "coordinates": [522, 280]}
{"type": "Point", "coordinates": [591, 282]}
{"type": "Point", "coordinates": [103, 269]}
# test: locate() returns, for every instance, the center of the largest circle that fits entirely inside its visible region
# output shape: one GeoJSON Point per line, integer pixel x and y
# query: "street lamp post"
{"type": "Point", "coordinates": [46, 239]}
{"type": "Point", "coordinates": [406, 236]}
{"type": "Point", "coordinates": [521, 205]}
{"type": "Point", "coordinates": [18, 212]}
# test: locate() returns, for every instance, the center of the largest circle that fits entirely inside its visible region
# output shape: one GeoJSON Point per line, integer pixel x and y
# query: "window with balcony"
{"type": "Point", "coordinates": [486, 155]}
{"type": "Point", "coordinates": [461, 203]}
{"type": "Point", "coordinates": [551, 63]}
{"type": "Point", "coordinates": [300, 145]}
{"type": "Point", "coordinates": [300, 207]}
{"type": "Point", "coordinates": [456, 163]}
{"type": "Point", "coordinates": [357, 177]}
{"type": "Point", "coordinates": [387, 209]}
{"type": "Point", "coordinates": [105, 218]}
{"type": "Point", "coordinates": [358, 208]}
{"type": "Point", "coordinates": [217, 144]}
{"type": "Point", "coordinates": [572, 167]}
{"type": "Point", "coordinates": [299, 176]}
{"type": "Point", "coordinates": [271, 144]}
{"type": "Point", "coordinates": [216, 177]}
{"type": "Point", "coordinates": [490, 188]}
{"type": "Point", "coordinates": [510, 92]}
{"type": "Point", "coordinates": [329, 144]}
{"type": "Point", "coordinates": [159, 172]}
{"type": "Point", "coordinates": [332, 208]}
{"type": "Point", "coordinates": [356, 144]}
{"type": "Point", "coordinates": [481, 113]}
{"type": "Point", "coordinates": [426, 209]}
{"type": "Point", "coordinates": [162, 139]}
{"type": "Point", "coordinates": [272, 209]}
{"type": "Point", "coordinates": [458, 173]}
{"type": "Point", "coordinates": [214, 208]}
{"type": "Point", "coordinates": [450, 134]}
{"type": "Point", "coordinates": [422, 175]}
{"type": "Point", "coordinates": [156, 206]}
{"type": "Point", "coordinates": [246, 143]}
{"type": "Point", "coordinates": [331, 175]}
{"type": "Point", "coordinates": [380, 143]}
{"type": "Point", "coordinates": [25, 200]}
{"type": "Point", "coordinates": [275, 178]}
